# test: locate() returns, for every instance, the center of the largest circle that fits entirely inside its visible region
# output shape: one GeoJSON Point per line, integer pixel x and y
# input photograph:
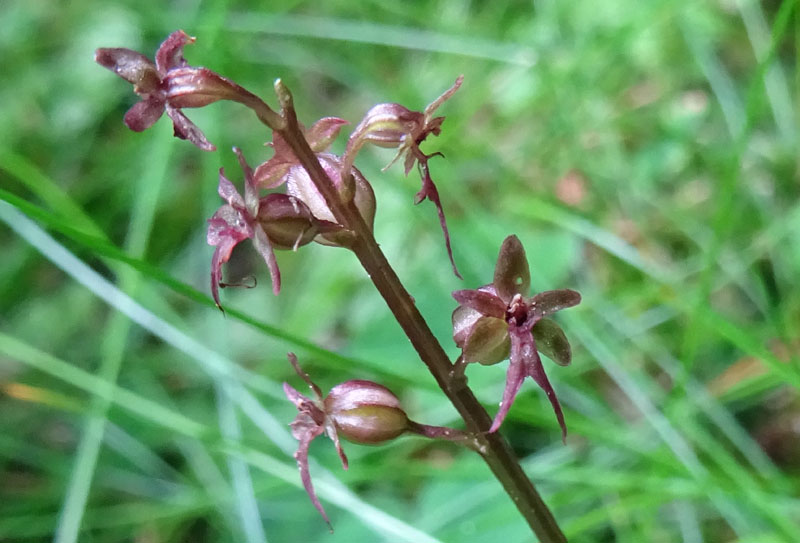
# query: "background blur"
{"type": "Point", "coordinates": [644, 152]}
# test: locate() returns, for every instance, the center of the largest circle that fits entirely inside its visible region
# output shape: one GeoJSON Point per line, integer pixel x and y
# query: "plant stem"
{"type": "Point", "coordinates": [498, 454]}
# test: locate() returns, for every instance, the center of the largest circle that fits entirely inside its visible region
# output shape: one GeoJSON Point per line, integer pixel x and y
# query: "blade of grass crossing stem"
{"type": "Point", "coordinates": [217, 366]}
{"type": "Point", "coordinates": [326, 484]}
{"type": "Point", "coordinates": [102, 247]}
{"type": "Point", "coordinates": [115, 338]}
{"type": "Point", "coordinates": [246, 502]}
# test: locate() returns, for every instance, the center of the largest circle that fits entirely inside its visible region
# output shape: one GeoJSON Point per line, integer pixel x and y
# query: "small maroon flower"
{"type": "Point", "coordinates": [361, 412]}
{"type": "Point", "coordinates": [394, 125]}
{"type": "Point", "coordinates": [169, 84]}
{"type": "Point", "coordinates": [235, 221]}
{"type": "Point", "coordinates": [276, 220]}
{"type": "Point", "coordinates": [499, 321]}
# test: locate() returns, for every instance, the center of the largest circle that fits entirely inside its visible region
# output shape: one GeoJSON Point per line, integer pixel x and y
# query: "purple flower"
{"type": "Point", "coordinates": [169, 84]}
{"type": "Point", "coordinates": [499, 321]}
{"type": "Point", "coordinates": [394, 125]}
{"type": "Point", "coordinates": [277, 220]}
{"type": "Point", "coordinates": [361, 411]}
{"type": "Point", "coordinates": [235, 221]}
{"type": "Point", "coordinates": [284, 168]}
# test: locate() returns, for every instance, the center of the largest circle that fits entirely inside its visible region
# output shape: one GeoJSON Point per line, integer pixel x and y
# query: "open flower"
{"type": "Point", "coordinates": [359, 411]}
{"type": "Point", "coordinates": [277, 220]}
{"type": "Point", "coordinates": [499, 321]}
{"type": "Point", "coordinates": [169, 84]}
{"type": "Point", "coordinates": [394, 125]}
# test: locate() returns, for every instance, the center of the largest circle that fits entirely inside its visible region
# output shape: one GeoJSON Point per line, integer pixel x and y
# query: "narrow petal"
{"type": "Point", "coordinates": [187, 130]}
{"type": "Point", "coordinates": [144, 114]}
{"type": "Point", "coordinates": [433, 106]}
{"type": "Point", "coordinates": [536, 370]}
{"type": "Point", "coordinates": [511, 274]}
{"type": "Point", "coordinates": [548, 302]}
{"type": "Point", "coordinates": [484, 302]}
{"type": "Point", "coordinates": [264, 248]}
{"type": "Point", "coordinates": [221, 255]}
{"type": "Point", "coordinates": [271, 174]}
{"type": "Point", "coordinates": [295, 397]}
{"type": "Point", "coordinates": [323, 132]}
{"type": "Point", "coordinates": [131, 66]}
{"type": "Point", "coordinates": [251, 198]}
{"type": "Point", "coordinates": [334, 435]}
{"type": "Point", "coordinates": [430, 192]}
{"type": "Point", "coordinates": [170, 52]}
{"type": "Point", "coordinates": [305, 475]}
{"type": "Point", "coordinates": [304, 376]}
{"type": "Point", "coordinates": [227, 191]}
{"type": "Point", "coordinates": [514, 378]}
{"type": "Point", "coordinates": [552, 342]}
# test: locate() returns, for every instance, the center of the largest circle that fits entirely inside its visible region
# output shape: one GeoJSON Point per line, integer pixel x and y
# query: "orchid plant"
{"type": "Point", "coordinates": [304, 193]}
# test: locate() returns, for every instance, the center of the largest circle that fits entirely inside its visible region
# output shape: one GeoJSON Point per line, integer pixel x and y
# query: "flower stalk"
{"type": "Point", "coordinates": [498, 454]}
{"type": "Point", "coordinates": [169, 85]}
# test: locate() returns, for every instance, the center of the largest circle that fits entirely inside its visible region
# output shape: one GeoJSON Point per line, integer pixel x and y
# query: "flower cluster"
{"type": "Point", "coordinates": [359, 411]}
{"type": "Point", "coordinates": [301, 215]}
{"type": "Point", "coordinates": [283, 221]}
{"type": "Point", "coordinates": [498, 321]}
{"type": "Point", "coordinates": [281, 207]}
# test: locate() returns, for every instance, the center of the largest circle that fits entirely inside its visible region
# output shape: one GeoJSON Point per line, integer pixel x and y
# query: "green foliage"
{"type": "Point", "coordinates": [645, 153]}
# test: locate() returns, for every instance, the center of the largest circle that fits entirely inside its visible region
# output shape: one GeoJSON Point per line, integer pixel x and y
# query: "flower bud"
{"type": "Point", "coordinates": [198, 87]}
{"type": "Point", "coordinates": [388, 125]}
{"type": "Point", "coordinates": [287, 221]}
{"type": "Point", "coordinates": [300, 185]}
{"type": "Point", "coordinates": [360, 411]}
{"type": "Point", "coordinates": [365, 412]}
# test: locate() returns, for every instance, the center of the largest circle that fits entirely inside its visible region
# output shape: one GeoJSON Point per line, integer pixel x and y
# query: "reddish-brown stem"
{"type": "Point", "coordinates": [496, 451]}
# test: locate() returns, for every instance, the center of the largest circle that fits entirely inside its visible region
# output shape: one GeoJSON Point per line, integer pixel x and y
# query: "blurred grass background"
{"type": "Point", "coordinates": [644, 152]}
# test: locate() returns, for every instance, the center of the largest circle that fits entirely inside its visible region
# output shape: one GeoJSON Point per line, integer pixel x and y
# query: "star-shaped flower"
{"type": "Point", "coordinates": [169, 84]}
{"type": "Point", "coordinates": [499, 321]}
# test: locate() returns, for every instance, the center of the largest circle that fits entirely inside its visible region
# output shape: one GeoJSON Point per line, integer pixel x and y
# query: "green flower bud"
{"type": "Point", "coordinates": [365, 412]}
{"type": "Point", "coordinates": [287, 221]}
